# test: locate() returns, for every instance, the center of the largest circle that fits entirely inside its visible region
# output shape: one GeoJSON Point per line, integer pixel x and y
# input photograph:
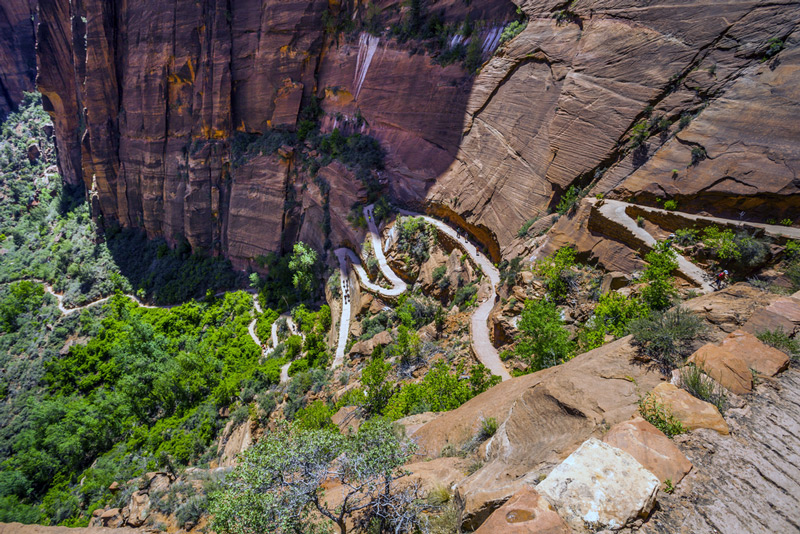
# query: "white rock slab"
{"type": "Point", "coordinates": [599, 486]}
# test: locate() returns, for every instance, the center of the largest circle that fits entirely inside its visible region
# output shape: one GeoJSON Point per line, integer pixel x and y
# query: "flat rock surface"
{"type": "Point", "coordinates": [758, 356]}
{"type": "Point", "coordinates": [690, 411]}
{"type": "Point", "coordinates": [527, 512]}
{"type": "Point", "coordinates": [600, 486]}
{"type": "Point", "coordinates": [724, 367]}
{"type": "Point", "coordinates": [651, 448]}
{"type": "Point", "coordinates": [748, 482]}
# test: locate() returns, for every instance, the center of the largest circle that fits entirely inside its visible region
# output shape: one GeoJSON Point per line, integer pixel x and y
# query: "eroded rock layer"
{"type": "Point", "coordinates": [147, 98]}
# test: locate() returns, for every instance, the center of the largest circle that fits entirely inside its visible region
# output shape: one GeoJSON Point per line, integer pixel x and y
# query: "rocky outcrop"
{"type": "Point", "coordinates": [555, 107]}
{"type": "Point", "coordinates": [651, 448]}
{"type": "Point", "coordinates": [543, 417]}
{"type": "Point", "coordinates": [759, 357]}
{"type": "Point", "coordinates": [600, 487]}
{"type": "Point", "coordinates": [527, 512]}
{"type": "Point", "coordinates": [724, 367]}
{"type": "Point", "coordinates": [745, 482]}
{"type": "Point", "coordinates": [691, 412]}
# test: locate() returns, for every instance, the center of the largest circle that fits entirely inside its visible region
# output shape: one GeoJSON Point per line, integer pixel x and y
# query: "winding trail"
{"type": "Point", "coordinates": [614, 210]}
{"type": "Point", "coordinates": [479, 330]}
{"type": "Point", "coordinates": [251, 328]}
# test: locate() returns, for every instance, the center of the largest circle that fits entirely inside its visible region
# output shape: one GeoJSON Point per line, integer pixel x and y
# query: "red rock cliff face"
{"type": "Point", "coordinates": [146, 97]}
{"type": "Point", "coordinates": [556, 108]}
{"type": "Point", "coordinates": [17, 52]}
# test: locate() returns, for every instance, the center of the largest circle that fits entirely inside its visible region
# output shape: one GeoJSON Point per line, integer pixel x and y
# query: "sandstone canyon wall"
{"type": "Point", "coordinates": [17, 52]}
{"type": "Point", "coordinates": [148, 97]}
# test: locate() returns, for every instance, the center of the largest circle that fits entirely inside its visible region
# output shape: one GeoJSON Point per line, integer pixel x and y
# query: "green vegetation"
{"type": "Point", "coordinates": [612, 315]}
{"type": "Point", "coordinates": [660, 290]}
{"type": "Point", "coordinates": [523, 231]}
{"type": "Point", "coordinates": [569, 200]}
{"type": "Point", "coordinates": [775, 45]}
{"type": "Point", "coordinates": [660, 416]}
{"type": "Point", "coordinates": [146, 389]}
{"type": "Point", "coordinates": [278, 484]}
{"type": "Point", "coordinates": [779, 339]}
{"type": "Point", "coordinates": [736, 250]}
{"type": "Point", "coordinates": [414, 238]}
{"type": "Point", "coordinates": [543, 340]}
{"type": "Point", "coordinates": [557, 272]}
{"type": "Point", "coordinates": [440, 390]}
{"type": "Point", "coordinates": [671, 205]}
{"type": "Point", "coordinates": [696, 382]}
{"type": "Point", "coordinates": [667, 336]}
{"type": "Point", "coordinates": [466, 296]}
{"type": "Point", "coordinates": [512, 30]}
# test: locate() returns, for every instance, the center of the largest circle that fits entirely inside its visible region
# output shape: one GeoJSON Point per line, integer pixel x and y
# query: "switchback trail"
{"type": "Point", "coordinates": [479, 329]}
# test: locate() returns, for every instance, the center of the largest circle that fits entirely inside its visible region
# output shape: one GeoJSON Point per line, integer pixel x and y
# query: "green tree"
{"type": "Point", "coordinates": [557, 272]}
{"type": "Point", "coordinates": [303, 263]}
{"type": "Point", "coordinates": [660, 289]}
{"type": "Point", "coordinates": [377, 390]}
{"type": "Point", "coordinates": [543, 340]}
{"type": "Point", "coordinates": [278, 483]}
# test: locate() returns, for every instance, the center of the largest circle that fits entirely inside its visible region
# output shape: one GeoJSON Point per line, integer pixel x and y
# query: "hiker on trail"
{"type": "Point", "coordinates": [721, 278]}
{"type": "Point", "coordinates": [670, 240]}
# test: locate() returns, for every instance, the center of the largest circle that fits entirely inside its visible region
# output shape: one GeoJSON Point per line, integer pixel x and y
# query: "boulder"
{"type": "Point", "coordinates": [108, 518]}
{"type": "Point", "coordinates": [543, 417]}
{"type": "Point", "coordinates": [527, 512]}
{"type": "Point", "coordinates": [365, 302]}
{"type": "Point", "coordinates": [651, 448]}
{"type": "Point", "coordinates": [138, 509]}
{"type": "Point", "coordinates": [600, 486]}
{"type": "Point", "coordinates": [724, 367]}
{"type": "Point", "coordinates": [692, 412]}
{"type": "Point", "coordinates": [613, 281]}
{"type": "Point", "coordinates": [366, 347]}
{"type": "Point", "coordinates": [348, 418]}
{"type": "Point", "coordinates": [783, 313]}
{"type": "Point", "coordinates": [758, 356]}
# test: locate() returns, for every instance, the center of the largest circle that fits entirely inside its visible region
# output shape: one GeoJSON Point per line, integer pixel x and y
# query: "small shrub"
{"type": "Point", "coordinates": [465, 297]}
{"type": "Point", "coordinates": [523, 231]}
{"type": "Point", "coordinates": [792, 250]}
{"type": "Point", "coordinates": [488, 428]}
{"type": "Point", "coordinates": [668, 486]}
{"type": "Point", "coordinates": [568, 200]}
{"type": "Point", "coordinates": [700, 385]}
{"type": "Point", "coordinates": [667, 336]}
{"type": "Point", "coordinates": [543, 340]}
{"type": "Point", "coordinates": [557, 273]}
{"type": "Point", "coordinates": [660, 289]}
{"type": "Point", "coordinates": [640, 221]}
{"type": "Point", "coordinates": [671, 205]}
{"type": "Point", "coordinates": [698, 155]}
{"type": "Point", "coordinates": [660, 416]}
{"type": "Point", "coordinates": [512, 30]}
{"type": "Point", "coordinates": [686, 236]}
{"type": "Point", "coordinates": [786, 222]}
{"type": "Point", "coordinates": [781, 340]}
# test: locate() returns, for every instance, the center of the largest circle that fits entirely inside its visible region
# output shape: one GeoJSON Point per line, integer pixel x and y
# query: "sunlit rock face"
{"type": "Point", "coordinates": [147, 98]}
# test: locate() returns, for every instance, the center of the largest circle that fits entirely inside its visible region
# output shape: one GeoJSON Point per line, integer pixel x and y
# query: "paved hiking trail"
{"type": "Point", "coordinates": [614, 210]}
{"type": "Point", "coordinates": [479, 329]}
